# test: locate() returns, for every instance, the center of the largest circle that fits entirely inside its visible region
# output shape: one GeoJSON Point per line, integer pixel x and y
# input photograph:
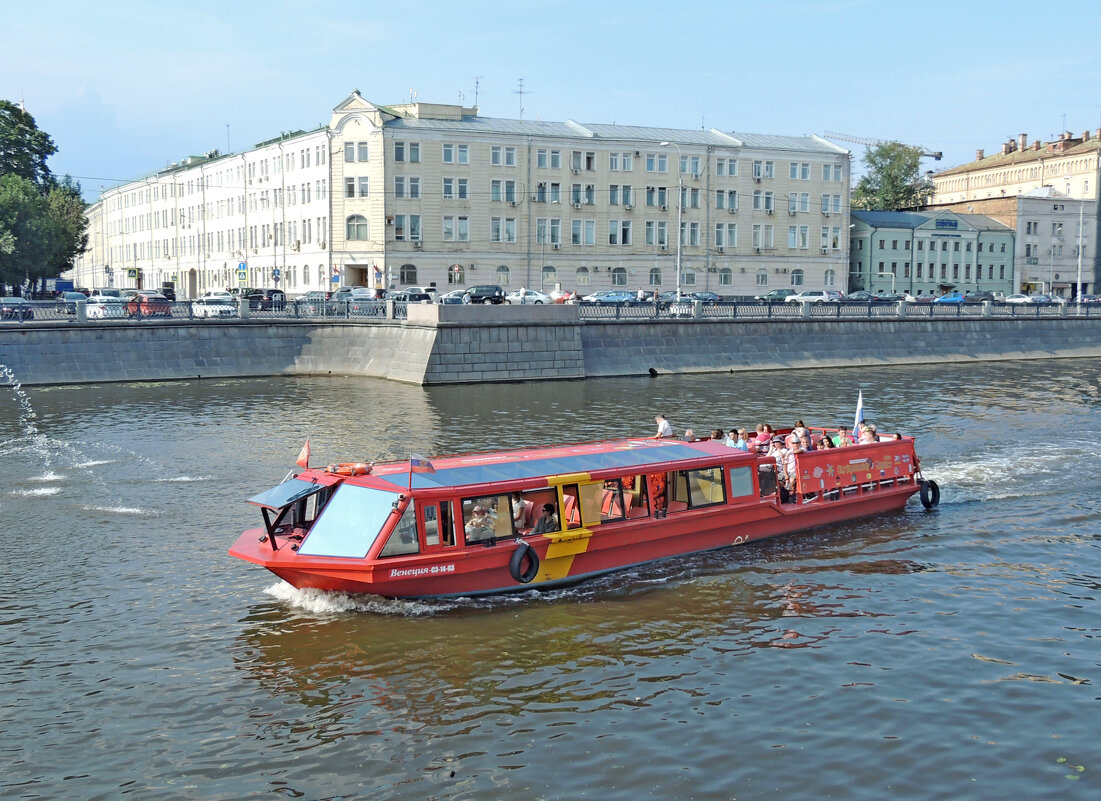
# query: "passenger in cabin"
{"type": "Point", "coordinates": [548, 520]}
{"type": "Point", "coordinates": [664, 429]}
{"type": "Point", "coordinates": [779, 453]}
{"type": "Point", "coordinates": [520, 511]}
{"type": "Point", "coordinates": [480, 525]}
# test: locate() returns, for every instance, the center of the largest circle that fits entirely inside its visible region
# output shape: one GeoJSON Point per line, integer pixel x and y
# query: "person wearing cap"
{"type": "Point", "coordinates": [480, 525]}
{"type": "Point", "coordinates": [548, 520]}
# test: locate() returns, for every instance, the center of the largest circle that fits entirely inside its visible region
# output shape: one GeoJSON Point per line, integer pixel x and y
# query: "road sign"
{"type": "Point", "coordinates": [242, 265]}
{"type": "Point", "coordinates": [275, 273]}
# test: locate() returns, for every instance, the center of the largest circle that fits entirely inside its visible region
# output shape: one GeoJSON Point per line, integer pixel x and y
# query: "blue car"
{"type": "Point", "coordinates": [610, 296]}
{"type": "Point", "coordinates": [950, 297]}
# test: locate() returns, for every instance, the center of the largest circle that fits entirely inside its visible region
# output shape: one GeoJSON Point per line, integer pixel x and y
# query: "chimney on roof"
{"type": "Point", "coordinates": [1036, 144]}
{"type": "Point", "coordinates": [1022, 141]}
{"type": "Point", "coordinates": [1097, 133]}
{"type": "Point", "coordinates": [979, 154]}
{"type": "Point", "coordinates": [1085, 135]}
{"type": "Point", "coordinates": [1006, 147]}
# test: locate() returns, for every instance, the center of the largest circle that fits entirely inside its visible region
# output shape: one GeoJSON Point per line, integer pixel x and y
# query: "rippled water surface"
{"type": "Point", "coordinates": [944, 655]}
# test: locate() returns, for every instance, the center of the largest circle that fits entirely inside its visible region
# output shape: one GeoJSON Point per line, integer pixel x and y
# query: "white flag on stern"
{"type": "Point", "coordinates": [859, 415]}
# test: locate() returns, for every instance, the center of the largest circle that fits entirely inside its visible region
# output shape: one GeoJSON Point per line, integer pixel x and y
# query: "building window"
{"type": "Point", "coordinates": [358, 228]}
{"type": "Point", "coordinates": [408, 273]}
{"type": "Point", "coordinates": [619, 276]}
{"type": "Point", "coordinates": [726, 276]}
{"type": "Point", "coordinates": [762, 277]}
{"type": "Point", "coordinates": [456, 274]}
{"type": "Point", "coordinates": [796, 277]}
{"type": "Point", "coordinates": [504, 275]}
{"type": "Point", "coordinates": [549, 275]}
{"type": "Point", "coordinates": [655, 276]}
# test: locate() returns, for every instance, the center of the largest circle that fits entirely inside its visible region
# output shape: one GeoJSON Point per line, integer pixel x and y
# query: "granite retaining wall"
{"type": "Point", "coordinates": [442, 345]}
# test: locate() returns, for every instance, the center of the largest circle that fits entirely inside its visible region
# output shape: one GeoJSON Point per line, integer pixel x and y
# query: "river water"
{"type": "Point", "coordinates": [945, 655]}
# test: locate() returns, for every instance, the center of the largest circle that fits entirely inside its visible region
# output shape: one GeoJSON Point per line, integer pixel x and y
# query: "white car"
{"type": "Point", "coordinates": [220, 295]}
{"type": "Point", "coordinates": [103, 307]}
{"type": "Point", "coordinates": [809, 296]}
{"type": "Point", "coordinates": [1018, 299]}
{"type": "Point", "coordinates": [531, 297]}
{"type": "Point", "coordinates": [214, 307]}
{"type": "Point", "coordinates": [431, 291]}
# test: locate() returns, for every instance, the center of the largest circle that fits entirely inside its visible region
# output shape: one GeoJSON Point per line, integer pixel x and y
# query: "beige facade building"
{"type": "Point", "coordinates": [1048, 193]}
{"type": "Point", "coordinates": [423, 194]}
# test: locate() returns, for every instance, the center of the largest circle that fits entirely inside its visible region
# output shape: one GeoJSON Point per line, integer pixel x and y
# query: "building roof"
{"type": "Point", "coordinates": [913, 219]}
{"type": "Point", "coordinates": [1026, 156]}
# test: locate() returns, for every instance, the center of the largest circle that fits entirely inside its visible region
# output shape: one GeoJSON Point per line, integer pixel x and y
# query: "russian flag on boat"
{"type": "Point", "coordinates": [859, 414]}
{"type": "Point", "coordinates": [420, 464]}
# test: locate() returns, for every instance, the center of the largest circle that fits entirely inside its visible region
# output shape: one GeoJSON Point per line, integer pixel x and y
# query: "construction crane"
{"type": "Point", "coordinates": [863, 140]}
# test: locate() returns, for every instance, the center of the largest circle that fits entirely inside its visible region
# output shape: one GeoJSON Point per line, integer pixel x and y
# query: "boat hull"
{"type": "Point", "coordinates": [565, 558]}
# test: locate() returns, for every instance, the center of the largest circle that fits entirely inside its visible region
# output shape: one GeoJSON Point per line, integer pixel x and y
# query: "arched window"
{"type": "Point", "coordinates": [305, 275]}
{"type": "Point", "coordinates": [456, 274]}
{"type": "Point", "coordinates": [504, 275]}
{"type": "Point", "coordinates": [688, 278]}
{"type": "Point", "coordinates": [409, 273]}
{"type": "Point", "coordinates": [321, 276]}
{"type": "Point", "coordinates": [358, 229]}
{"type": "Point", "coordinates": [762, 277]}
{"type": "Point", "coordinates": [619, 276]}
{"type": "Point", "coordinates": [830, 277]}
{"type": "Point", "coordinates": [550, 275]}
{"type": "Point", "coordinates": [796, 277]}
{"type": "Point", "coordinates": [583, 276]}
{"type": "Point", "coordinates": [726, 276]}
{"type": "Point", "coordinates": [655, 276]}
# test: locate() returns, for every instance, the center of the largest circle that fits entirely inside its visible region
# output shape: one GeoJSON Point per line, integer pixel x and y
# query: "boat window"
{"type": "Point", "coordinates": [578, 505]}
{"type": "Point", "coordinates": [741, 482]}
{"type": "Point", "coordinates": [656, 489]}
{"type": "Point", "coordinates": [350, 522]}
{"type": "Point", "coordinates": [437, 523]}
{"type": "Point", "coordinates": [700, 488]}
{"type": "Point", "coordinates": [766, 478]}
{"type": "Point", "coordinates": [307, 510]}
{"type": "Point", "coordinates": [487, 518]}
{"type": "Point", "coordinates": [611, 506]}
{"type": "Point", "coordinates": [527, 507]}
{"type": "Point", "coordinates": [403, 539]}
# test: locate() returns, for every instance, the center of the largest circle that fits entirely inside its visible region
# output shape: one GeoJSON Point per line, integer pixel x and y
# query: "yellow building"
{"type": "Point", "coordinates": [437, 194]}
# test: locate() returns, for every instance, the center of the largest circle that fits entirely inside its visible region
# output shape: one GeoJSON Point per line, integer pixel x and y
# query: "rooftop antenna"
{"type": "Point", "coordinates": [228, 148]}
{"type": "Point", "coordinates": [520, 91]}
{"type": "Point", "coordinates": [477, 85]}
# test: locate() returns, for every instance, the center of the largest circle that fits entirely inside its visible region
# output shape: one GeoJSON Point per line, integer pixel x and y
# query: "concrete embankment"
{"type": "Point", "coordinates": [461, 344]}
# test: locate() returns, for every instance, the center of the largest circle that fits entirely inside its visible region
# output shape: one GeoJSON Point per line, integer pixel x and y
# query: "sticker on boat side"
{"type": "Point", "coordinates": [405, 572]}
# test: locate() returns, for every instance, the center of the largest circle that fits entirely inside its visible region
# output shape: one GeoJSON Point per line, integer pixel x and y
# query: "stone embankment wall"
{"type": "Point", "coordinates": [460, 344]}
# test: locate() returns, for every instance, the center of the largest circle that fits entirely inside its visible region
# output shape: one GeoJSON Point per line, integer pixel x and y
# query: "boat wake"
{"type": "Point", "coordinates": [36, 492]}
{"type": "Point", "coordinates": [324, 602]}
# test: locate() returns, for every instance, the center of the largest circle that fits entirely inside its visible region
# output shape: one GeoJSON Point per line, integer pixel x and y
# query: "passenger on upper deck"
{"type": "Point", "coordinates": [664, 429]}
{"type": "Point", "coordinates": [799, 429]}
{"type": "Point", "coordinates": [738, 440]}
{"type": "Point", "coordinates": [689, 435]}
{"type": "Point", "coordinates": [844, 437]}
{"type": "Point", "coordinates": [867, 434]}
{"type": "Point", "coordinates": [825, 443]}
{"type": "Point", "coordinates": [717, 434]}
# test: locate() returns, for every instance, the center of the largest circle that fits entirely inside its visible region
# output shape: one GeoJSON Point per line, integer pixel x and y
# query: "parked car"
{"type": "Point", "coordinates": [452, 297]}
{"type": "Point", "coordinates": [315, 295]}
{"type": "Point", "coordinates": [1017, 299]}
{"type": "Point", "coordinates": [146, 303]}
{"type": "Point", "coordinates": [531, 297]}
{"type": "Point", "coordinates": [860, 296]}
{"type": "Point", "coordinates": [609, 296]}
{"type": "Point", "coordinates": [949, 297]}
{"type": "Point", "coordinates": [108, 292]}
{"type": "Point", "coordinates": [68, 301]}
{"type": "Point", "coordinates": [221, 295]}
{"type": "Point", "coordinates": [12, 308]}
{"type": "Point", "coordinates": [975, 296]}
{"type": "Point", "coordinates": [410, 296]}
{"type": "Point", "coordinates": [431, 291]}
{"type": "Point", "coordinates": [809, 296]}
{"type": "Point", "coordinates": [266, 299]}
{"type": "Point", "coordinates": [214, 307]}
{"type": "Point", "coordinates": [890, 297]}
{"type": "Point", "coordinates": [105, 307]}
{"type": "Point", "coordinates": [708, 298]}
{"type": "Point", "coordinates": [486, 293]}
{"type": "Point", "coordinates": [775, 295]}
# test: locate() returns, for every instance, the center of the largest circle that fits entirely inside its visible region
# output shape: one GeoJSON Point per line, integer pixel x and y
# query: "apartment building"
{"type": "Point", "coordinates": [931, 253]}
{"type": "Point", "coordinates": [436, 194]}
{"type": "Point", "coordinates": [1048, 193]}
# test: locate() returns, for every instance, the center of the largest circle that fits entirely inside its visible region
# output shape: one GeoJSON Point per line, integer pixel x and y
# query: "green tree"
{"type": "Point", "coordinates": [893, 181]}
{"type": "Point", "coordinates": [42, 223]}
{"type": "Point", "coordinates": [23, 148]}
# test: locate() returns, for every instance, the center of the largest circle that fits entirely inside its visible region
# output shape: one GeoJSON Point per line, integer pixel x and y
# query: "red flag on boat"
{"type": "Point", "coordinates": [304, 455]}
{"type": "Point", "coordinates": [420, 464]}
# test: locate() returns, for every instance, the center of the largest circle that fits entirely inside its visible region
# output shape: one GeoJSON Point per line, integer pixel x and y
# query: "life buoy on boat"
{"type": "Point", "coordinates": [930, 494]}
{"type": "Point", "coordinates": [349, 469]}
{"type": "Point", "coordinates": [515, 564]}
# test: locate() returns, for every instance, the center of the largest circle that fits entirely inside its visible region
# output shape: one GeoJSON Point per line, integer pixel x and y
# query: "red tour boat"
{"type": "Point", "coordinates": [544, 517]}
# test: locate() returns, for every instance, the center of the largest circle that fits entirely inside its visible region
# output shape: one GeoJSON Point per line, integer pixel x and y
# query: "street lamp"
{"type": "Point", "coordinates": [680, 208]}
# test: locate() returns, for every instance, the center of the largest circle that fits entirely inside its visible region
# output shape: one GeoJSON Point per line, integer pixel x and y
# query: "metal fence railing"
{"type": "Point", "coordinates": [32, 312]}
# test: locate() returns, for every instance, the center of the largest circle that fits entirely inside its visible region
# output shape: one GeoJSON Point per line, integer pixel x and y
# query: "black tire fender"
{"type": "Point", "coordinates": [515, 564]}
{"type": "Point", "coordinates": [930, 494]}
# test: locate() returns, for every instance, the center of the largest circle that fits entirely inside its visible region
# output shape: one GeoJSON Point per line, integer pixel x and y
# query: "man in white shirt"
{"type": "Point", "coordinates": [664, 429]}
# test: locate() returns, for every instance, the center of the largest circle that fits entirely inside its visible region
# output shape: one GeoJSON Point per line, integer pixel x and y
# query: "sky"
{"type": "Point", "coordinates": [125, 88]}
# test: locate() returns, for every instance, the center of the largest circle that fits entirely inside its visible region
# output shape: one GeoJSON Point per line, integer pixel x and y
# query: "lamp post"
{"type": "Point", "coordinates": [680, 209]}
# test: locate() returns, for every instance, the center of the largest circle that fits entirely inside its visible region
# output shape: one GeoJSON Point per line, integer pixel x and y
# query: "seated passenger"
{"type": "Point", "coordinates": [843, 437]}
{"type": "Point", "coordinates": [867, 434]}
{"type": "Point", "coordinates": [480, 525]}
{"type": "Point", "coordinates": [825, 443]}
{"type": "Point", "coordinates": [804, 441]}
{"type": "Point", "coordinates": [799, 429]}
{"type": "Point", "coordinates": [521, 511]}
{"type": "Point", "coordinates": [548, 520]}
{"type": "Point", "coordinates": [718, 435]}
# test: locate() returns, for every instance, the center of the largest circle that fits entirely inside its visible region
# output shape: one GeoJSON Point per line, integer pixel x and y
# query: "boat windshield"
{"type": "Point", "coordinates": [286, 493]}
{"type": "Point", "coordinates": [350, 522]}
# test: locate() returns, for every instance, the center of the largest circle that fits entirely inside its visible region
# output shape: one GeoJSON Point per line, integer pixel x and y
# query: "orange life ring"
{"type": "Point", "coordinates": [349, 469]}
